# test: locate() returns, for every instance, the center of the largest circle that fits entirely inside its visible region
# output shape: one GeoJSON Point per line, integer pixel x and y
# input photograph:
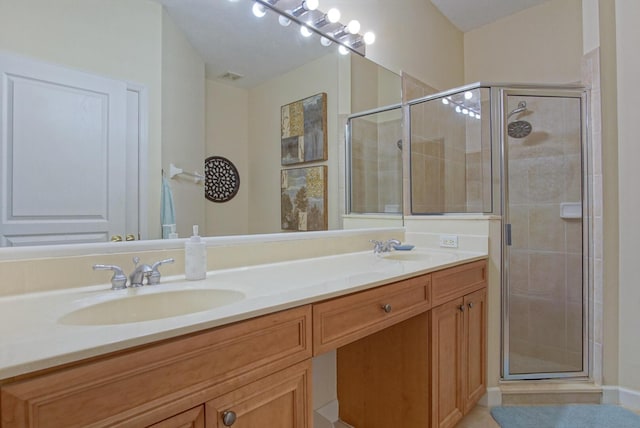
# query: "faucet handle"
{"type": "Point", "coordinates": [118, 280]}
{"type": "Point", "coordinates": [154, 277]}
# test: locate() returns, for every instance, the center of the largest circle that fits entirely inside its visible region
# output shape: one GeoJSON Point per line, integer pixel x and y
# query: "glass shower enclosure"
{"type": "Point", "coordinates": [518, 151]}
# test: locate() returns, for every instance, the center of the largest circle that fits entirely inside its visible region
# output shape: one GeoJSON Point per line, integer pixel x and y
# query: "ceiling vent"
{"type": "Point", "coordinates": [229, 75]}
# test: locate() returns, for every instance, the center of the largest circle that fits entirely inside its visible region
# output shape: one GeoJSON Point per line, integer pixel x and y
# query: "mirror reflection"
{"type": "Point", "coordinates": [115, 92]}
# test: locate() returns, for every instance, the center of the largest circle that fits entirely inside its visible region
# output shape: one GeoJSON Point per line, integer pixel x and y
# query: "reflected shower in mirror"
{"type": "Point", "coordinates": [375, 167]}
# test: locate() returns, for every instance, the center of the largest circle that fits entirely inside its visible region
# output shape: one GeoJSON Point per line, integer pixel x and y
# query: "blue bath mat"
{"type": "Point", "coordinates": [569, 416]}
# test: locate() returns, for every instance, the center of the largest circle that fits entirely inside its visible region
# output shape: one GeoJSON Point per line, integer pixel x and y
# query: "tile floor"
{"type": "Point", "coordinates": [479, 417]}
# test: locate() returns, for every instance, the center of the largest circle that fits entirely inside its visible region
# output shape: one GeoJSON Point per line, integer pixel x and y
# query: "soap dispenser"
{"type": "Point", "coordinates": [195, 257]}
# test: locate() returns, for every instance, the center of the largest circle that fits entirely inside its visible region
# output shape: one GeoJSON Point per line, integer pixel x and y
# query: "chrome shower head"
{"type": "Point", "coordinates": [522, 106]}
{"type": "Point", "coordinates": [519, 128]}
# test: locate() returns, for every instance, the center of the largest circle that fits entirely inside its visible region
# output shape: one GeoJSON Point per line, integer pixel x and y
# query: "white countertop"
{"type": "Point", "coordinates": [32, 338]}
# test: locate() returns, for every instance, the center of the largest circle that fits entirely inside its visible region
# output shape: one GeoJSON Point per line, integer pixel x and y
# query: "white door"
{"type": "Point", "coordinates": [62, 154]}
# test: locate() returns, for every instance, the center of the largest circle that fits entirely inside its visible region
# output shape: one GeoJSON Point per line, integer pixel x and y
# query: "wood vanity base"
{"type": "Point", "coordinates": [410, 354]}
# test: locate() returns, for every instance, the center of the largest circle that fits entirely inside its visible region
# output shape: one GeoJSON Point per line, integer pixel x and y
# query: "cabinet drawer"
{"type": "Point", "coordinates": [160, 380]}
{"type": "Point", "coordinates": [455, 282]}
{"type": "Point", "coordinates": [346, 319]}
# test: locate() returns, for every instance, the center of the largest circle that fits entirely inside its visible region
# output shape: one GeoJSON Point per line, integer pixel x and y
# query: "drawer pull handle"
{"type": "Point", "coordinates": [229, 418]}
{"type": "Point", "coordinates": [470, 304]}
{"type": "Point", "coordinates": [461, 307]}
{"type": "Point", "coordinates": [386, 308]}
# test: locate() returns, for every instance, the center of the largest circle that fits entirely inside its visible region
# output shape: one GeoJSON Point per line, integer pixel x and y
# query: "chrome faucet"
{"type": "Point", "coordinates": [140, 272]}
{"type": "Point", "coordinates": [380, 247]}
{"type": "Point", "coordinates": [136, 279]}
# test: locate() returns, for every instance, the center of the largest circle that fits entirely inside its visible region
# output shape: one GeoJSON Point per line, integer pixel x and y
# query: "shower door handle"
{"type": "Point", "coordinates": [507, 233]}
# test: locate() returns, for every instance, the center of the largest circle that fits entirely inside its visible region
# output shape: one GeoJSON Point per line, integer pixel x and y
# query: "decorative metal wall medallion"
{"type": "Point", "coordinates": [222, 180]}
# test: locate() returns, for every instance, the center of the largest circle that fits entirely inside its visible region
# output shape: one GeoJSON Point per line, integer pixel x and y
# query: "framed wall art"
{"type": "Point", "coordinates": [304, 198]}
{"type": "Point", "coordinates": [303, 130]}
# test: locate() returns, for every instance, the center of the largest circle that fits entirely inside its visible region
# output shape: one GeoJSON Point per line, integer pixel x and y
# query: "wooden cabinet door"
{"type": "Point", "coordinates": [446, 363]}
{"type": "Point", "coordinates": [475, 348]}
{"type": "Point", "coordinates": [193, 418]}
{"type": "Point", "coordinates": [282, 400]}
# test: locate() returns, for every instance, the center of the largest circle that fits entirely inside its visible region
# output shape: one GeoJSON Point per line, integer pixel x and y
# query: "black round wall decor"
{"type": "Point", "coordinates": [221, 179]}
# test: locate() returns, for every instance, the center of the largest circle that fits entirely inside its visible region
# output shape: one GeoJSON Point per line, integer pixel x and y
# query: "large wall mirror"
{"type": "Point", "coordinates": [186, 80]}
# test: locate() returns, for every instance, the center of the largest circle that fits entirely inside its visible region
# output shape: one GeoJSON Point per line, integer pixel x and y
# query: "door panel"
{"type": "Point", "coordinates": [63, 163]}
{"type": "Point", "coordinates": [543, 209]}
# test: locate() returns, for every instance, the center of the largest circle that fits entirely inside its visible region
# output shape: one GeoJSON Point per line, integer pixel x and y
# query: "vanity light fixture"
{"type": "Point", "coordinates": [331, 17]}
{"type": "Point", "coordinates": [312, 20]}
{"type": "Point", "coordinates": [305, 6]}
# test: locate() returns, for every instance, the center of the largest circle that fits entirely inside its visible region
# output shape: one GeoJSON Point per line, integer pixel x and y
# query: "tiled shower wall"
{"type": "Point", "coordinates": [438, 140]}
{"type": "Point", "coordinates": [546, 293]}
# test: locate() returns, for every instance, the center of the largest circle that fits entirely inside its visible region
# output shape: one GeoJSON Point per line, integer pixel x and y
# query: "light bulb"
{"type": "Point", "coordinates": [325, 42]}
{"type": "Point", "coordinates": [333, 15]}
{"type": "Point", "coordinates": [311, 4]}
{"type": "Point", "coordinates": [343, 50]}
{"type": "Point", "coordinates": [465, 111]}
{"type": "Point", "coordinates": [353, 26]}
{"type": "Point", "coordinates": [472, 114]}
{"type": "Point", "coordinates": [458, 109]}
{"type": "Point", "coordinates": [258, 10]}
{"type": "Point", "coordinates": [305, 31]}
{"type": "Point", "coordinates": [445, 101]}
{"type": "Point", "coordinates": [468, 95]}
{"type": "Point", "coordinates": [369, 37]}
{"type": "Point", "coordinates": [477, 116]}
{"type": "Point", "coordinates": [284, 21]}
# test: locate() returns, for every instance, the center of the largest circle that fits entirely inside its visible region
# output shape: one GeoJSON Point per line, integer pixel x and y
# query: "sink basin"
{"type": "Point", "coordinates": [410, 256]}
{"type": "Point", "coordinates": [152, 306]}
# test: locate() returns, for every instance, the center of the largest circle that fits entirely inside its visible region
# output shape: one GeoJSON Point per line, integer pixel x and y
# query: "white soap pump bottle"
{"type": "Point", "coordinates": [195, 257]}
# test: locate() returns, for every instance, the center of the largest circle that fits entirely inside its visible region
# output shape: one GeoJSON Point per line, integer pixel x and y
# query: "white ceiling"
{"type": "Point", "coordinates": [230, 39]}
{"type": "Point", "coordinates": [471, 14]}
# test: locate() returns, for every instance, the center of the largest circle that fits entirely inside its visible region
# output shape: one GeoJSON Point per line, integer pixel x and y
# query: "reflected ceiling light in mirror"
{"type": "Point", "coordinates": [284, 21]}
{"type": "Point", "coordinates": [258, 10]}
{"type": "Point", "coordinates": [304, 30]}
{"type": "Point", "coordinates": [343, 50]}
{"type": "Point", "coordinates": [468, 95]}
{"type": "Point", "coordinates": [306, 14]}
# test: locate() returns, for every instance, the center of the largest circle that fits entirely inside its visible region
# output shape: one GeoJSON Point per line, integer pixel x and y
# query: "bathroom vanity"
{"type": "Point", "coordinates": [411, 352]}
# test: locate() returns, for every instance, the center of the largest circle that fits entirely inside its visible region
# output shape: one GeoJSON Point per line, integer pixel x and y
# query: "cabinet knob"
{"type": "Point", "coordinates": [116, 238]}
{"type": "Point", "coordinates": [130, 237]}
{"type": "Point", "coordinates": [228, 418]}
{"type": "Point", "coordinates": [461, 307]}
{"type": "Point", "coordinates": [386, 308]}
{"type": "Point", "coordinates": [470, 304]}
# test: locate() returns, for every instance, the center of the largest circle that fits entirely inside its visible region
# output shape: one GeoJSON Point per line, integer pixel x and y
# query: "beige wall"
{"type": "Point", "coordinates": [183, 88]}
{"type": "Point", "coordinates": [119, 39]}
{"type": "Point", "coordinates": [227, 135]}
{"type": "Point", "coordinates": [411, 35]}
{"type": "Point", "coordinates": [628, 66]}
{"type": "Point", "coordinates": [542, 44]}
{"type": "Point", "coordinates": [264, 166]}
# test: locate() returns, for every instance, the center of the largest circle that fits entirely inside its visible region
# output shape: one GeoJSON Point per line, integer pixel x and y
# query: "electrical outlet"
{"type": "Point", "coordinates": [449, 241]}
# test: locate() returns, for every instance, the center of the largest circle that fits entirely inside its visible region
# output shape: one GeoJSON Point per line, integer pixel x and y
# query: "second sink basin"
{"type": "Point", "coordinates": [414, 256]}
{"type": "Point", "coordinates": [151, 306]}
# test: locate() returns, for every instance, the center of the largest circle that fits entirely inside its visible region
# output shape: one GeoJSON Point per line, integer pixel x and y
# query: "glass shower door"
{"type": "Point", "coordinates": [545, 312]}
